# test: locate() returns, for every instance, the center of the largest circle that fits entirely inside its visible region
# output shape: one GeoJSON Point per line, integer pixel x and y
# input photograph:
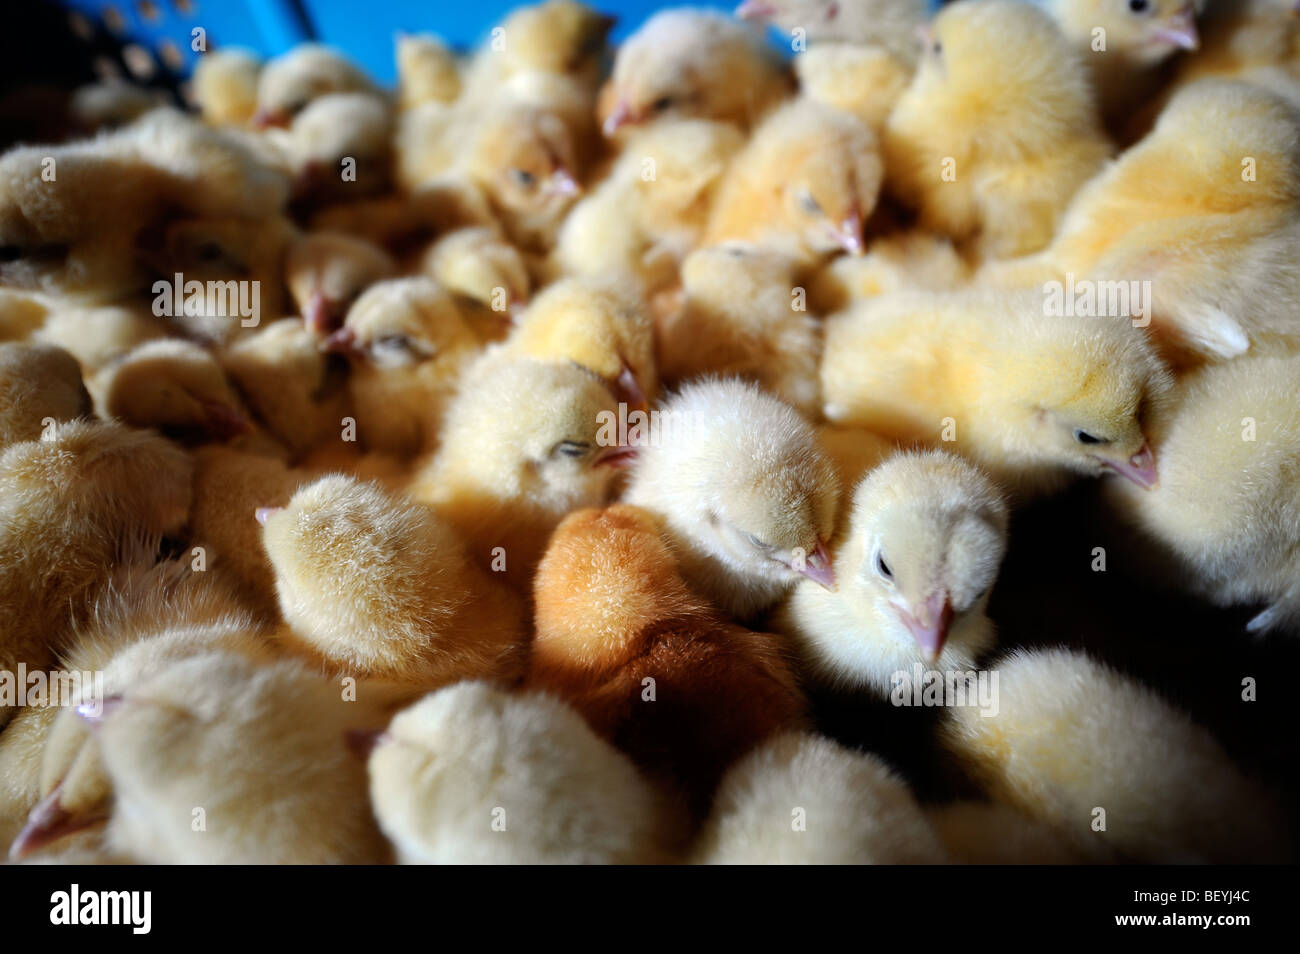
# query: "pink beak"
{"type": "Point", "coordinates": [562, 183]}
{"type": "Point", "coordinates": [817, 567]}
{"type": "Point", "coordinates": [343, 341]}
{"type": "Point", "coordinates": [47, 823]}
{"type": "Point", "coordinates": [755, 10]}
{"type": "Point", "coordinates": [628, 389]}
{"type": "Point", "coordinates": [850, 234]}
{"type": "Point", "coordinates": [317, 315]}
{"type": "Point", "coordinates": [95, 714]}
{"type": "Point", "coordinates": [620, 117]}
{"type": "Point", "coordinates": [930, 628]}
{"type": "Point", "coordinates": [617, 457]}
{"type": "Point", "coordinates": [265, 118]}
{"type": "Point", "coordinates": [1140, 468]}
{"type": "Point", "coordinates": [224, 422]}
{"type": "Point", "coordinates": [1180, 31]}
{"type": "Point", "coordinates": [263, 514]}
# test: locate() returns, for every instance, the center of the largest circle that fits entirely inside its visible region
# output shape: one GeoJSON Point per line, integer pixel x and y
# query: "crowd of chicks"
{"type": "Point", "coordinates": [372, 582]}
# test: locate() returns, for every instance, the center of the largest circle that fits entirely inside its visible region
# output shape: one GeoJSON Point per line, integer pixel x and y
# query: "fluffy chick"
{"type": "Point", "coordinates": [407, 343]}
{"type": "Point", "coordinates": [806, 181]}
{"type": "Point", "coordinates": [261, 748]}
{"type": "Point", "coordinates": [522, 444]}
{"type": "Point", "coordinates": [1030, 398]}
{"type": "Point", "coordinates": [746, 493]}
{"type": "Point", "coordinates": [903, 261]}
{"type": "Point", "coordinates": [488, 274]}
{"type": "Point", "coordinates": [597, 325]}
{"type": "Point", "coordinates": [556, 37]}
{"type": "Point", "coordinates": [98, 334]}
{"type": "Point", "coordinates": [651, 666]}
{"type": "Point", "coordinates": [685, 63]}
{"type": "Point", "coordinates": [740, 316]}
{"type": "Point", "coordinates": [92, 496]}
{"type": "Point", "coordinates": [290, 83]}
{"type": "Point", "coordinates": [326, 271]}
{"type": "Point", "coordinates": [989, 148]}
{"type": "Point", "coordinates": [224, 86]}
{"type": "Point", "coordinates": [427, 71]}
{"type": "Point", "coordinates": [866, 81]}
{"type": "Point", "coordinates": [1072, 735]}
{"type": "Point", "coordinates": [890, 24]}
{"type": "Point", "coordinates": [1227, 510]}
{"type": "Point", "coordinates": [380, 587]}
{"type": "Point", "coordinates": [39, 385]}
{"type": "Point", "coordinates": [470, 755]}
{"type": "Point", "coordinates": [854, 810]}
{"type": "Point", "coordinates": [341, 148]}
{"type": "Point", "coordinates": [916, 561]}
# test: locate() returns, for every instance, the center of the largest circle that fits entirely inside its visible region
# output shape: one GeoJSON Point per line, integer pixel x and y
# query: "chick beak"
{"type": "Point", "coordinates": [263, 514]}
{"type": "Point", "coordinates": [1179, 30]}
{"type": "Point", "coordinates": [266, 118]}
{"type": "Point", "coordinates": [622, 115]}
{"type": "Point", "coordinates": [849, 234]}
{"type": "Point", "coordinates": [343, 341]}
{"type": "Point", "coordinates": [515, 311]}
{"type": "Point", "coordinates": [617, 457]}
{"type": "Point", "coordinates": [562, 184]}
{"type": "Point", "coordinates": [222, 422]}
{"type": "Point", "coordinates": [47, 823]}
{"type": "Point", "coordinates": [755, 10]}
{"type": "Point", "coordinates": [1140, 468]}
{"type": "Point", "coordinates": [930, 627]}
{"type": "Point", "coordinates": [94, 713]}
{"type": "Point", "coordinates": [628, 390]}
{"type": "Point", "coordinates": [817, 567]}
{"type": "Point", "coordinates": [318, 316]}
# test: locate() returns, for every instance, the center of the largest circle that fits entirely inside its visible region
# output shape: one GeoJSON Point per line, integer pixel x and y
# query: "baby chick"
{"type": "Point", "coordinates": [523, 443]}
{"type": "Point", "coordinates": [39, 385]}
{"type": "Point", "coordinates": [1227, 510]}
{"type": "Point", "coordinates": [407, 343]}
{"type": "Point", "coordinates": [989, 148]}
{"type": "Point", "coordinates": [381, 587]}
{"type": "Point", "coordinates": [289, 83]}
{"type": "Point", "coordinates": [556, 37]}
{"type": "Point", "coordinates": [224, 86]}
{"type": "Point", "coordinates": [473, 775]}
{"type": "Point", "coordinates": [1072, 737]}
{"type": "Point", "coordinates": [866, 81]}
{"type": "Point", "coordinates": [800, 798]}
{"type": "Point", "coordinates": [427, 71]}
{"type": "Point", "coordinates": [341, 148]}
{"type": "Point", "coordinates": [902, 261]}
{"type": "Point", "coordinates": [1030, 398]}
{"type": "Point", "coordinates": [96, 335]}
{"type": "Point", "coordinates": [684, 63]}
{"type": "Point", "coordinates": [740, 317]}
{"type": "Point", "coordinates": [597, 325]}
{"type": "Point", "coordinates": [806, 181]}
{"type": "Point", "coordinates": [747, 495]}
{"type": "Point", "coordinates": [890, 24]}
{"type": "Point", "coordinates": [92, 496]}
{"type": "Point", "coordinates": [256, 751]}
{"type": "Point", "coordinates": [651, 666]}
{"type": "Point", "coordinates": [488, 274]}
{"type": "Point", "coordinates": [326, 271]}
{"type": "Point", "coordinates": [916, 562]}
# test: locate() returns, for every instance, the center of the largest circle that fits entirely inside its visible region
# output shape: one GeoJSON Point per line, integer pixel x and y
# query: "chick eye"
{"type": "Point", "coordinates": [524, 178]}
{"type": "Point", "coordinates": [571, 449]}
{"type": "Point", "coordinates": [808, 203]}
{"type": "Point", "coordinates": [1083, 437]}
{"type": "Point", "coordinates": [1139, 6]}
{"type": "Point", "coordinates": [883, 568]}
{"type": "Point", "coordinates": [754, 541]}
{"type": "Point", "coordinates": [937, 49]}
{"type": "Point", "coordinates": [393, 343]}
{"type": "Point", "coordinates": [662, 103]}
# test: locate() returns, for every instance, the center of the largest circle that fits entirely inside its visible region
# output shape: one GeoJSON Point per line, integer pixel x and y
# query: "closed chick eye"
{"type": "Point", "coordinates": [393, 343]}
{"type": "Point", "coordinates": [662, 103]}
{"type": "Point", "coordinates": [524, 177]}
{"type": "Point", "coordinates": [757, 542]}
{"type": "Point", "coordinates": [882, 567]}
{"type": "Point", "coordinates": [808, 203]}
{"type": "Point", "coordinates": [571, 449]}
{"type": "Point", "coordinates": [1083, 437]}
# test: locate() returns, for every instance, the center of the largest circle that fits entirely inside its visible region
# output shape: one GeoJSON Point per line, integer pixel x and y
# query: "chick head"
{"type": "Point", "coordinates": [402, 324]}
{"type": "Point", "coordinates": [482, 266]}
{"type": "Point", "coordinates": [525, 157]}
{"type": "Point", "coordinates": [38, 382]}
{"type": "Point", "coordinates": [1143, 31]}
{"type": "Point", "coordinates": [742, 472]}
{"type": "Point", "coordinates": [535, 430]}
{"type": "Point", "coordinates": [927, 533]}
{"type": "Point", "coordinates": [290, 83]}
{"type": "Point", "coordinates": [177, 387]}
{"type": "Point", "coordinates": [326, 271]}
{"type": "Point", "coordinates": [558, 36]}
{"type": "Point", "coordinates": [724, 276]}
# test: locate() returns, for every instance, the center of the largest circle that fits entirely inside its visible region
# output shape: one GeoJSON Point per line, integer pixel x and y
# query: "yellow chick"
{"type": "Point", "coordinates": [916, 561]}
{"type": "Point", "coordinates": [987, 833]}
{"type": "Point", "coordinates": [224, 86]}
{"type": "Point", "coordinates": [806, 182]}
{"type": "Point", "coordinates": [1227, 510]}
{"type": "Point", "coordinates": [1122, 42]}
{"type": "Point", "coordinates": [258, 752]}
{"type": "Point", "coordinates": [990, 148]}
{"type": "Point", "coordinates": [1257, 40]}
{"type": "Point", "coordinates": [91, 497]}
{"type": "Point", "coordinates": [684, 63]}
{"type": "Point", "coordinates": [175, 387]}
{"type": "Point", "coordinates": [903, 261]}
{"type": "Point", "coordinates": [597, 325]}
{"type": "Point", "coordinates": [742, 316]}
{"type": "Point", "coordinates": [407, 343]}
{"type": "Point", "coordinates": [296, 391]}
{"type": "Point", "coordinates": [890, 24]}
{"type": "Point", "coordinates": [289, 83]}
{"type": "Point", "coordinates": [98, 334]}
{"type": "Point", "coordinates": [427, 71]}
{"type": "Point", "coordinates": [866, 81]}
{"type": "Point", "coordinates": [1029, 397]}
{"type": "Point", "coordinates": [326, 271]}
{"type": "Point", "coordinates": [40, 386]}
{"type": "Point", "coordinates": [341, 148]}
{"type": "Point", "coordinates": [380, 587]}
{"type": "Point", "coordinates": [557, 37]}
{"type": "Point", "coordinates": [473, 775]}
{"type": "Point", "coordinates": [747, 495]}
{"type": "Point", "coordinates": [523, 443]}
{"type": "Point", "coordinates": [489, 276]}
{"type": "Point", "coordinates": [1205, 209]}
{"type": "Point", "coordinates": [853, 808]}
{"type": "Point", "coordinates": [1072, 737]}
